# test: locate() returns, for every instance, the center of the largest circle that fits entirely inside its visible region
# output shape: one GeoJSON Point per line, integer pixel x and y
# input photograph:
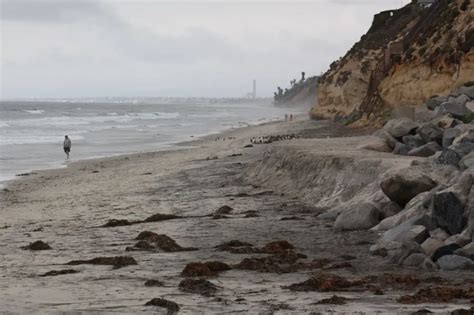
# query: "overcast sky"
{"type": "Point", "coordinates": [87, 48]}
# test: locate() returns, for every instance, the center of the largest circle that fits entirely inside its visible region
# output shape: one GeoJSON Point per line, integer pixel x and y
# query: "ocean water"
{"type": "Point", "coordinates": [32, 132]}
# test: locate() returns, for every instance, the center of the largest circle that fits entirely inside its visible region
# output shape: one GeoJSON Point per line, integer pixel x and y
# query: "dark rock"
{"type": "Point", "coordinates": [151, 241]}
{"type": "Point", "coordinates": [448, 212]}
{"type": "Point", "coordinates": [361, 217]}
{"type": "Point", "coordinates": [401, 149]}
{"type": "Point", "coordinates": [335, 299]}
{"type": "Point", "coordinates": [277, 246]}
{"type": "Point", "coordinates": [430, 132]}
{"type": "Point", "coordinates": [462, 149]}
{"type": "Point", "coordinates": [466, 90]}
{"type": "Point", "coordinates": [38, 245]}
{"type": "Point", "coordinates": [400, 127]}
{"type": "Point", "coordinates": [248, 146]}
{"type": "Point", "coordinates": [217, 266]}
{"type": "Point", "coordinates": [322, 283]}
{"type": "Point", "coordinates": [457, 110]}
{"type": "Point", "coordinates": [117, 222]}
{"type": "Point", "coordinates": [422, 311]}
{"type": "Point", "coordinates": [402, 187]}
{"type": "Point", "coordinates": [435, 101]}
{"type": "Point", "coordinates": [449, 135]}
{"type": "Point", "coordinates": [198, 286]}
{"type": "Point", "coordinates": [219, 216]}
{"type": "Point", "coordinates": [198, 269]}
{"type": "Point", "coordinates": [463, 311]}
{"type": "Point", "coordinates": [172, 307]}
{"type": "Point", "coordinates": [444, 250]}
{"type": "Point", "coordinates": [449, 157]}
{"type": "Point", "coordinates": [390, 209]}
{"type": "Point", "coordinates": [426, 150]}
{"type": "Point", "coordinates": [223, 210]}
{"type": "Point", "coordinates": [455, 262]}
{"type": "Point", "coordinates": [160, 217]}
{"type": "Point", "coordinates": [117, 261]}
{"type": "Point", "coordinates": [413, 141]}
{"type": "Point", "coordinates": [153, 283]}
{"type": "Point", "coordinates": [59, 272]}
{"type": "Point", "coordinates": [233, 243]}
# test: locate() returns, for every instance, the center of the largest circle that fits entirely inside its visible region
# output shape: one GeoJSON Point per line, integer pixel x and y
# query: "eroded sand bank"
{"type": "Point", "coordinates": [274, 197]}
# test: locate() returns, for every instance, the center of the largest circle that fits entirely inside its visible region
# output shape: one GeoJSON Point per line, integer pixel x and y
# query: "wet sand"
{"type": "Point", "coordinates": [66, 207]}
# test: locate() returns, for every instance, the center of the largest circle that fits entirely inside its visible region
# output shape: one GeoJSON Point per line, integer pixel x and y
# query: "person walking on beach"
{"type": "Point", "coordinates": [67, 146]}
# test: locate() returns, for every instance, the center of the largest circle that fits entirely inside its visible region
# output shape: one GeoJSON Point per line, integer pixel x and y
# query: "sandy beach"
{"type": "Point", "coordinates": [275, 193]}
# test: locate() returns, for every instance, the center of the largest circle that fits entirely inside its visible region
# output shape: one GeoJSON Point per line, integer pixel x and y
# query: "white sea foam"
{"type": "Point", "coordinates": [33, 111]}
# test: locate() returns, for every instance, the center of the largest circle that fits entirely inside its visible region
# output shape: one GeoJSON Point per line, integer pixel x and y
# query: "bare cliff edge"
{"type": "Point", "coordinates": [407, 56]}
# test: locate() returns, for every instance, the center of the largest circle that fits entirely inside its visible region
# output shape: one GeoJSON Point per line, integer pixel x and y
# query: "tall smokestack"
{"type": "Point", "coordinates": [254, 94]}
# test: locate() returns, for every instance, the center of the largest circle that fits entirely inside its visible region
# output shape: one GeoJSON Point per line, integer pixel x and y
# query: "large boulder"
{"type": "Point", "coordinates": [449, 135]}
{"type": "Point", "coordinates": [397, 252]}
{"type": "Point", "coordinates": [400, 127]}
{"type": "Point", "coordinates": [449, 157]}
{"type": "Point", "coordinates": [445, 121]}
{"type": "Point", "coordinates": [466, 90]}
{"type": "Point", "coordinates": [435, 101]}
{"type": "Point", "coordinates": [415, 209]}
{"type": "Point", "coordinates": [415, 259]}
{"type": "Point", "coordinates": [457, 110]}
{"type": "Point", "coordinates": [401, 149]}
{"type": "Point", "coordinates": [460, 99]}
{"type": "Point", "coordinates": [466, 251]}
{"type": "Point", "coordinates": [448, 212]}
{"type": "Point", "coordinates": [375, 144]}
{"type": "Point", "coordinates": [412, 230]}
{"type": "Point", "coordinates": [430, 245]}
{"type": "Point", "coordinates": [390, 209]}
{"type": "Point", "coordinates": [413, 141]}
{"type": "Point", "coordinates": [426, 150]}
{"type": "Point", "coordinates": [405, 185]}
{"type": "Point", "coordinates": [467, 162]}
{"type": "Point", "coordinates": [430, 132]}
{"type": "Point", "coordinates": [455, 262]}
{"type": "Point", "coordinates": [444, 250]}
{"type": "Point", "coordinates": [388, 138]}
{"type": "Point", "coordinates": [462, 149]}
{"type": "Point", "coordinates": [361, 217]}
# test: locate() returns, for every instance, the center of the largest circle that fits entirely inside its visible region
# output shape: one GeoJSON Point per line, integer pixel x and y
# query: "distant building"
{"type": "Point", "coordinates": [425, 3]}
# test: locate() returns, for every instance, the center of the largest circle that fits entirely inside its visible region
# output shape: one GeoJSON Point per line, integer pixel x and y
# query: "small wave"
{"type": "Point", "coordinates": [33, 111]}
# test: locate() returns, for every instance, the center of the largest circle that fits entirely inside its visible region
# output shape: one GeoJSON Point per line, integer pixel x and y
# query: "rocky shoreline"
{"type": "Point", "coordinates": [221, 227]}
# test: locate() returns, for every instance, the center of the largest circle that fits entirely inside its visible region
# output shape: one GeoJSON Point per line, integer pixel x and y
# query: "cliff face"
{"type": "Point", "coordinates": [301, 93]}
{"type": "Point", "coordinates": [406, 56]}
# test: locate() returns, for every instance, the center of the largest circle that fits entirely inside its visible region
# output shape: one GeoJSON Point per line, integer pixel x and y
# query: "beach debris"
{"type": "Point", "coordinates": [437, 295]}
{"type": "Point", "coordinates": [198, 269]}
{"type": "Point", "coordinates": [210, 158]}
{"type": "Point", "coordinates": [237, 247]}
{"type": "Point", "coordinates": [292, 218]}
{"type": "Point", "coordinates": [148, 240]}
{"type": "Point", "coordinates": [58, 272]}
{"type": "Point", "coordinates": [172, 307]}
{"type": "Point", "coordinates": [206, 269]}
{"type": "Point", "coordinates": [277, 247]}
{"type": "Point", "coordinates": [270, 139]}
{"type": "Point", "coordinates": [38, 245]}
{"type": "Point", "coordinates": [198, 286]}
{"type": "Point", "coordinates": [219, 216]}
{"type": "Point", "coordinates": [26, 174]}
{"type": "Point", "coordinates": [153, 283]}
{"type": "Point", "coordinates": [235, 154]}
{"type": "Point", "coordinates": [160, 217]}
{"type": "Point", "coordinates": [248, 146]}
{"type": "Point", "coordinates": [324, 282]}
{"type": "Point", "coordinates": [224, 210]}
{"type": "Point", "coordinates": [116, 261]}
{"type": "Point", "coordinates": [117, 222]}
{"type": "Point", "coordinates": [335, 299]}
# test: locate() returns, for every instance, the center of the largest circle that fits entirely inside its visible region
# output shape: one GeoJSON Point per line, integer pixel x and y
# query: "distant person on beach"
{"type": "Point", "coordinates": [286, 117]}
{"type": "Point", "coordinates": [67, 146]}
{"type": "Point", "coordinates": [291, 117]}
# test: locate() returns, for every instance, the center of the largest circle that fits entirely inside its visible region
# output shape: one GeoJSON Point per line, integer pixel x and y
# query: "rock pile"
{"type": "Point", "coordinates": [433, 224]}
{"type": "Point", "coordinates": [447, 128]}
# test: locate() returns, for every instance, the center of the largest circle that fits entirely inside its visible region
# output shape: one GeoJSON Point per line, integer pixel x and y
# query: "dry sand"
{"type": "Point", "coordinates": [65, 208]}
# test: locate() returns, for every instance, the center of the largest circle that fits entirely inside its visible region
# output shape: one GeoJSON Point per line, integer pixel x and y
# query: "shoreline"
{"type": "Point", "coordinates": [67, 208]}
{"type": "Point", "coordinates": [166, 147]}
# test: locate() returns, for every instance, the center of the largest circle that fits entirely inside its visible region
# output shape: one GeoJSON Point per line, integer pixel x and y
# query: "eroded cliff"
{"type": "Point", "coordinates": [406, 56]}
